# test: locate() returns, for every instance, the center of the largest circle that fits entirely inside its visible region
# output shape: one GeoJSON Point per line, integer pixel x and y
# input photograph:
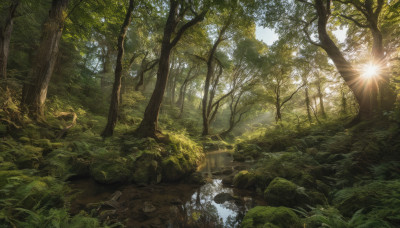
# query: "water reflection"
{"type": "Point", "coordinates": [176, 205]}
{"type": "Point", "coordinates": [215, 161]}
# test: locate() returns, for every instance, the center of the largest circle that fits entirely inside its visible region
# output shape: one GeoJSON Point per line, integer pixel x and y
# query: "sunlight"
{"type": "Point", "coordinates": [370, 70]}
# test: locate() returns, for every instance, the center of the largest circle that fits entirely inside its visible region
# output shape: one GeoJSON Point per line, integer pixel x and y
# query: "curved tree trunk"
{"type": "Point", "coordinates": [361, 90]}
{"type": "Point", "coordinates": [5, 37]}
{"type": "Point", "coordinates": [36, 93]}
{"type": "Point", "coordinates": [115, 96]}
{"type": "Point", "coordinates": [149, 125]}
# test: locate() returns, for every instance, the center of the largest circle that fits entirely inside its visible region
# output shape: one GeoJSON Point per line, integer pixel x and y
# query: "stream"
{"type": "Point", "coordinates": [171, 205]}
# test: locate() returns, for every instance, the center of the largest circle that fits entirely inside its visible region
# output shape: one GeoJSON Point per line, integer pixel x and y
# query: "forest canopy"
{"type": "Point", "coordinates": [155, 81]}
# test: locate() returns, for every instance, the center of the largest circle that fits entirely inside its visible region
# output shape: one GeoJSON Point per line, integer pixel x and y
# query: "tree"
{"type": "Point", "coordinates": [115, 96]}
{"type": "Point", "coordinates": [177, 13]}
{"type": "Point", "coordinates": [247, 65]}
{"type": "Point", "coordinates": [5, 37]}
{"type": "Point", "coordinates": [279, 77]}
{"type": "Point", "coordinates": [35, 93]}
{"type": "Point", "coordinates": [314, 18]}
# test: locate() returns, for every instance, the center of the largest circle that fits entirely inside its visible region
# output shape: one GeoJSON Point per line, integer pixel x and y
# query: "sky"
{"type": "Point", "coordinates": [268, 36]}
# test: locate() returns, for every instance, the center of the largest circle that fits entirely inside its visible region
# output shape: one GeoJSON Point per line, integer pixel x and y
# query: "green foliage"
{"type": "Point", "coordinates": [281, 192]}
{"type": "Point", "coordinates": [271, 217]}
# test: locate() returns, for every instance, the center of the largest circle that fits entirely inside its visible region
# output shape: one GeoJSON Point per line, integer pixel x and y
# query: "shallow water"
{"type": "Point", "coordinates": [174, 205]}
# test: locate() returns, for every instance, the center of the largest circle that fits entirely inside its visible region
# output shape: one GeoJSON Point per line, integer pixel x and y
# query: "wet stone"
{"type": "Point", "coordinates": [223, 197]}
{"type": "Point", "coordinates": [148, 207]}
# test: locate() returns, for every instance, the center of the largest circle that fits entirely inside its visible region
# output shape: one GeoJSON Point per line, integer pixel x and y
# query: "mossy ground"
{"type": "Point", "coordinates": [36, 161]}
{"type": "Point", "coordinates": [339, 177]}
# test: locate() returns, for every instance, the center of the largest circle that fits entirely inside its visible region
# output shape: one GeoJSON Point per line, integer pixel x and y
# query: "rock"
{"type": "Point", "coordinates": [146, 171]}
{"type": "Point", "coordinates": [109, 172]}
{"type": "Point", "coordinates": [281, 192]}
{"type": "Point", "coordinates": [272, 217]}
{"type": "Point", "coordinates": [173, 170]}
{"type": "Point", "coordinates": [223, 197]}
{"type": "Point", "coordinates": [216, 173]}
{"type": "Point", "coordinates": [148, 207]}
{"type": "Point", "coordinates": [176, 202]}
{"type": "Point", "coordinates": [228, 180]}
{"type": "Point", "coordinates": [244, 179]}
{"type": "Point", "coordinates": [227, 171]}
{"type": "Point", "coordinates": [239, 167]}
{"type": "Point", "coordinates": [196, 178]}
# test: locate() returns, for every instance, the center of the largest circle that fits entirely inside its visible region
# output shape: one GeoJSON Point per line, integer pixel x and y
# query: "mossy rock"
{"type": "Point", "coordinates": [109, 172]}
{"type": "Point", "coordinates": [173, 169]}
{"type": "Point", "coordinates": [244, 179]}
{"type": "Point", "coordinates": [146, 172]}
{"type": "Point", "coordinates": [272, 217]}
{"type": "Point", "coordinates": [282, 192]}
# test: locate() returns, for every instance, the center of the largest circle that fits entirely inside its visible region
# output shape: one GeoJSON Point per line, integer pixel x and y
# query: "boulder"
{"type": "Point", "coordinates": [223, 197]}
{"type": "Point", "coordinates": [282, 192]}
{"type": "Point", "coordinates": [244, 179]}
{"type": "Point", "coordinates": [272, 217]}
{"type": "Point", "coordinates": [109, 172]}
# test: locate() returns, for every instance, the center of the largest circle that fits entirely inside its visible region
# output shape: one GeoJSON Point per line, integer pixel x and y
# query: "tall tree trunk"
{"type": "Point", "coordinates": [307, 100]}
{"type": "Point", "coordinates": [115, 96]}
{"type": "Point", "coordinates": [307, 96]}
{"type": "Point", "coordinates": [182, 101]}
{"type": "Point", "coordinates": [45, 60]}
{"type": "Point", "coordinates": [149, 125]}
{"type": "Point", "coordinates": [106, 67]}
{"type": "Point", "coordinates": [343, 103]}
{"type": "Point", "coordinates": [278, 115]}
{"type": "Point", "coordinates": [210, 73]}
{"type": "Point", "coordinates": [5, 37]}
{"type": "Point", "coordinates": [345, 68]}
{"type": "Point", "coordinates": [320, 96]}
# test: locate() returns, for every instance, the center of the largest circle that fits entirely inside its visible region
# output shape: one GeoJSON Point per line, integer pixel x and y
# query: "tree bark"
{"type": "Point", "coordinates": [320, 96]}
{"type": "Point", "coordinates": [149, 125]}
{"type": "Point", "coordinates": [210, 73]}
{"type": "Point", "coordinates": [107, 66]}
{"type": "Point", "coordinates": [307, 100]}
{"type": "Point", "coordinates": [35, 96]}
{"type": "Point", "coordinates": [5, 37]}
{"type": "Point", "coordinates": [360, 90]}
{"type": "Point", "coordinates": [115, 96]}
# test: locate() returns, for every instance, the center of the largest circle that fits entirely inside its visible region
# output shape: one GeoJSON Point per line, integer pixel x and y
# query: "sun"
{"type": "Point", "coordinates": [369, 71]}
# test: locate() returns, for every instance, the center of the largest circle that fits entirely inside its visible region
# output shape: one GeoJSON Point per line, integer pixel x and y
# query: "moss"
{"type": "Point", "coordinates": [271, 217]}
{"type": "Point", "coordinates": [281, 192]}
{"type": "Point", "coordinates": [244, 179]}
{"type": "Point", "coordinates": [43, 143]}
{"type": "Point", "coordinates": [109, 172]}
{"type": "Point", "coordinates": [172, 169]}
{"type": "Point", "coordinates": [147, 172]}
{"type": "Point", "coordinates": [64, 164]}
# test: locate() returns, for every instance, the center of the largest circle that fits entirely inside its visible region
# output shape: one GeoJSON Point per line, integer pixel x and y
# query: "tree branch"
{"type": "Point", "coordinates": [350, 18]}
{"type": "Point", "coordinates": [189, 24]}
{"type": "Point", "coordinates": [291, 96]}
